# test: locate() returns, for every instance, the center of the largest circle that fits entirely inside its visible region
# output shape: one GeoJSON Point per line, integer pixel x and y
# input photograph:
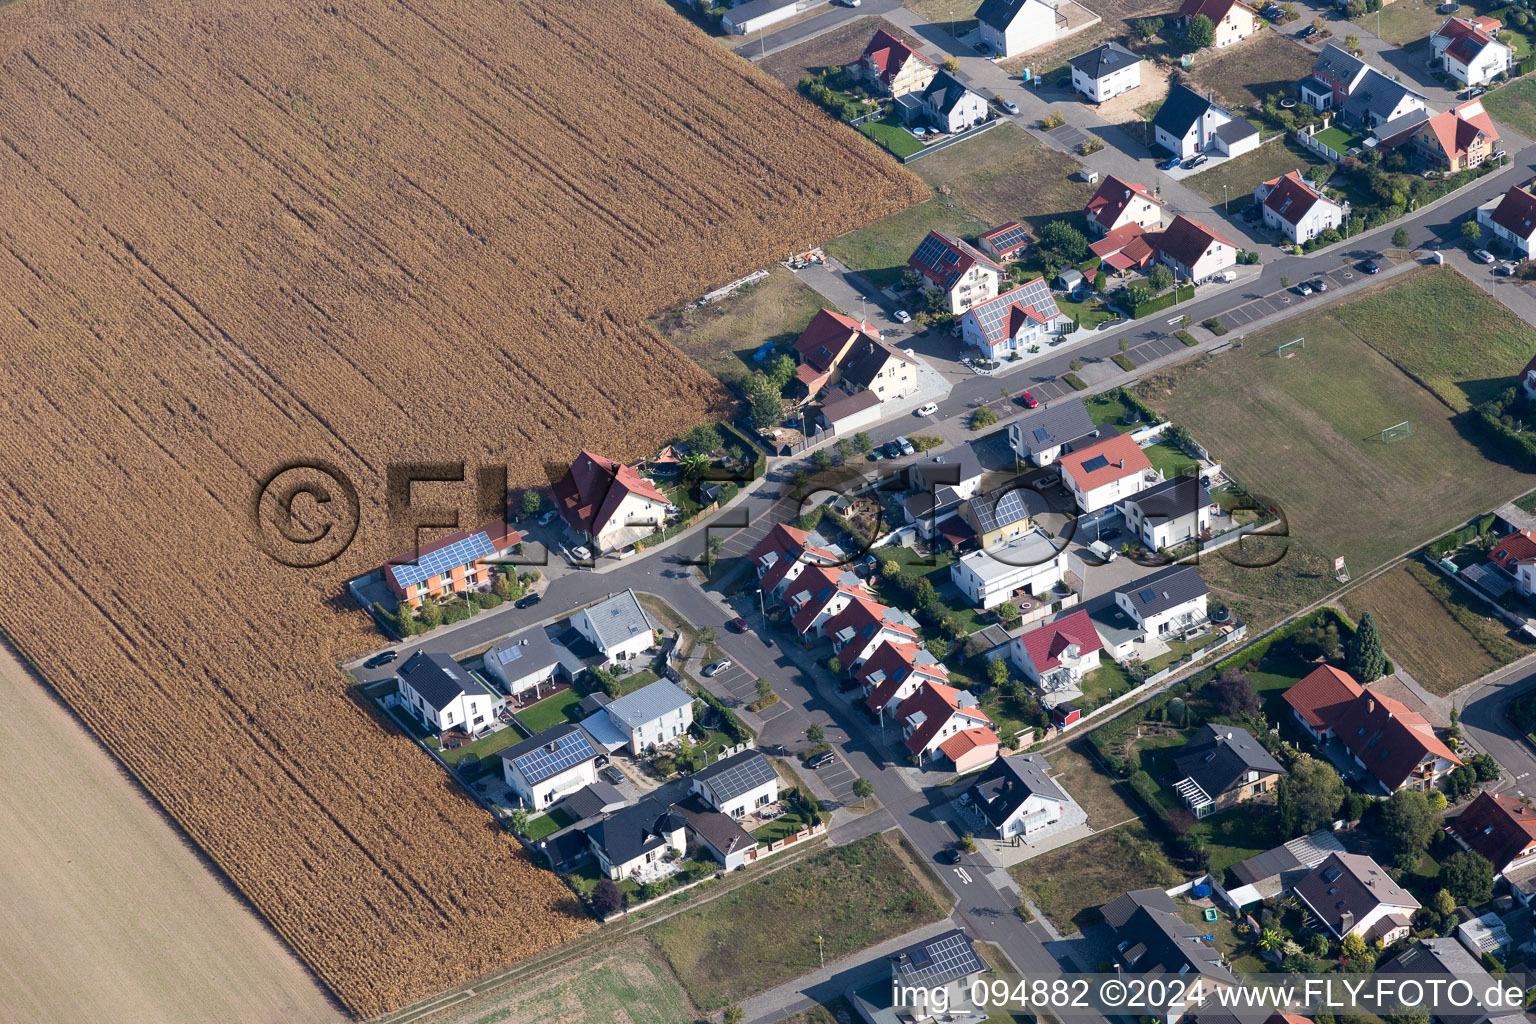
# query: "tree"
{"type": "Point", "coordinates": [997, 673]}
{"type": "Point", "coordinates": [845, 448]}
{"type": "Point", "coordinates": [863, 442]}
{"type": "Point", "coordinates": [1124, 346]}
{"type": "Point", "coordinates": [502, 586]}
{"type": "Point", "coordinates": [1160, 277]}
{"type": "Point", "coordinates": [1235, 695]}
{"type": "Point", "coordinates": [1354, 946]}
{"type": "Point", "coordinates": [1146, 28]}
{"type": "Point", "coordinates": [517, 820]}
{"type": "Point", "coordinates": [1075, 365]}
{"type": "Point", "coordinates": [1364, 658]}
{"type": "Point", "coordinates": [430, 613]}
{"type": "Point", "coordinates": [821, 460]}
{"type": "Point", "coordinates": [734, 1014]}
{"type": "Point", "coordinates": [1063, 240]}
{"type": "Point", "coordinates": [1007, 611]}
{"type": "Point", "coordinates": [863, 788]}
{"type": "Point", "coordinates": [1486, 767]}
{"type": "Point", "coordinates": [1100, 281]}
{"type": "Point", "coordinates": [704, 439]}
{"type": "Point", "coordinates": [1437, 801]}
{"type": "Point", "coordinates": [1468, 876]}
{"type": "Point", "coordinates": [530, 502]}
{"type": "Point", "coordinates": [694, 465]}
{"type": "Point", "coordinates": [816, 734]}
{"type": "Point", "coordinates": [951, 65]}
{"type": "Point", "coordinates": [1200, 33]}
{"type": "Point", "coordinates": [1409, 825]}
{"type": "Point", "coordinates": [1444, 903]}
{"type": "Point", "coordinates": [1318, 24]}
{"type": "Point", "coordinates": [606, 898]}
{"type": "Point", "coordinates": [1401, 238]}
{"type": "Point", "coordinates": [779, 374]}
{"type": "Point", "coordinates": [968, 843]}
{"type": "Point", "coordinates": [764, 688]}
{"type": "Point", "coordinates": [1137, 294]}
{"type": "Point", "coordinates": [1271, 939]}
{"type": "Point", "coordinates": [706, 636]}
{"type": "Point", "coordinates": [835, 666]}
{"type": "Point", "coordinates": [1309, 796]}
{"type": "Point", "coordinates": [1471, 231]}
{"type": "Point", "coordinates": [1352, 43]}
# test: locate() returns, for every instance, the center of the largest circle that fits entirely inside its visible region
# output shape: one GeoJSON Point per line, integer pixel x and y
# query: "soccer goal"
{"type": "Point", "coordinates": [1395, 433]}
{"type": "Point", "coordinates": [1286, 349]}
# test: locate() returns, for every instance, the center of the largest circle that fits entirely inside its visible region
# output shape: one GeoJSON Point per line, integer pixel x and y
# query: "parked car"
{"type": "Point", "coordinates": [1304, 289]}
{"type": "Point", "coordinates": [903, 317]}
{"type": "Point", "coordinates": [1196, 160]}
{"type": "Point", "coordinates": [1370, 267]}
{"type": "Point", "coordinates": [548, 517]}
{"type": "Point", "coordinates": [1482, 255]}
{"type": "Point", "coordinates": [738, 625]}
{"type": "Point", "coordinates": [1169, 164]}
{"type": "Point", "coordinates": [529, 601]}
{"type": "Point", "coordinates": [927, 410]}
{"type": "Point", "coordinates": [380, 659]}
{"type": "Point", "coordinates": [1008, 105]}
{"type": "Point", "coordinates": [1319, 285]}
{"type": "Point", "coordinates": [1028, 400]}
{"type": "Point", "coordinates": [823, 759]}
{"type": "Point", "coordinates": [1473, 94]}
{"type": "Point", "coordinates": [581, 553]}
{"type": "Point", "coordinates": [891, 449]}
{"type": "Point", "coordinates": [718, 667]}
{"type": "Point", "coordinates": [1306, 33]}
{"type": "Point", "coordinates": [611, 775]}
{"type": "Point", "coordinates": [1505, 269]}
{"type": "Point", "coordinates": [905, 446]}
{"type": "Point", "coordinates": [948, 856]}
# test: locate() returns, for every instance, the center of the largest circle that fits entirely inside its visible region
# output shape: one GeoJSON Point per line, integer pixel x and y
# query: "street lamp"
{"type": "Point", "coordinates": [1224, 199]}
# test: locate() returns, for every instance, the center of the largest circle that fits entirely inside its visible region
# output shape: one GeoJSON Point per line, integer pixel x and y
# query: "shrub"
{"type": "Point", "coordinates": [606, 898]}
{"type": "Point", "coordinates": [1076, 382]}
{"type": "Point", "coordinates": [1093, 145]}
{"type": "Point", "coordinates": [1215, 326]}
{"type": "Point", "coordinates": [1055, 119]}
{"type": "Point", "coordinates": [1186, 338]}
{"type": "Point", "coordinates": [983, 417]}
{"type": "Point", "coordinates": [1200, 33]}
{"type": "Point", "coordinates": [1124, 362]}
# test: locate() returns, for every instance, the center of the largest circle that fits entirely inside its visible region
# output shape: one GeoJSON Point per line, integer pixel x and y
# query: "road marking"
{"type": "Point", "coordinates": [964, 876]}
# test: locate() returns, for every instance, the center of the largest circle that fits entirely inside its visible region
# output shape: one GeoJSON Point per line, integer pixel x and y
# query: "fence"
{"type": "Point", "coordinates": [1200, 655]}
{"type": "Point", "coordinates": [985, 126]}
{"type": "Point", "coordinates": [804, 834]}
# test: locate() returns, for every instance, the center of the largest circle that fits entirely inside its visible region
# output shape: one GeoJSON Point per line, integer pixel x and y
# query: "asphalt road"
{"type": "Point", "coordinates": [1482, 718]}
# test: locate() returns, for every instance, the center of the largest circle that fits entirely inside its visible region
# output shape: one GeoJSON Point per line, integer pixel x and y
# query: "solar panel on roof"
{"type": "Point", "coordinates": [510, 654]}
{"type": "Point", "coordinates": [1097, 462]}
{"type": "Point", "coordinates": [555, 757]}
{"type": "Point", "coordinates": [1147, 595]}
{"type": "Point", "coordinates": [937, 962]}
{"type": "Point", "coordinates": [1041, 434]}
{"type": "Point", "coordinates": [435, 563]}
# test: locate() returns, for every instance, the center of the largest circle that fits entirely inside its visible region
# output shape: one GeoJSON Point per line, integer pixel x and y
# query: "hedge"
{"type": "Point", "coordinates": [1216, 327]}
{"type": "Point", "coordinates": [1148, 414]}
{"type": "Point", "coordinates": [1465, 535]}
{"type": "Point", "coordinates": [1186, 338]}
{"type": "Point", "coordinates": [1183, 293]}
{"type": "Point", "coordinates": [730, 724]}
{"type": "Point", "coordinates": [1123, 361]}
{"type": "Point", "coordinates": [1077, 382]}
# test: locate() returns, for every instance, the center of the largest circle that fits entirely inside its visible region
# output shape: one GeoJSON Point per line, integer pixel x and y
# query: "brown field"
{"type": "Point", "coordinates": [842, 45]}
{"type": "Point", "coordinates": [1006, 175]}
{"type": "Point", "coordinates": [90, 866]}
{"type": "Point", "coordinates": [1242, 75]}
{"type": "Point", "coordinates": [243, 234]}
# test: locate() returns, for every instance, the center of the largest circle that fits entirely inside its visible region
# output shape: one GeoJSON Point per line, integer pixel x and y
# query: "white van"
{"type": "Point", "coordinates": [1104, 551]}
{"type": "Point", "coordinates": [1227, 276]}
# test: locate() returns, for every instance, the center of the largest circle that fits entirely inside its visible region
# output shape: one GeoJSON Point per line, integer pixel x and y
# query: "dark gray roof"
{"type": "Point", "coordinates": [737, 774]}
{"type": "Point", "coordinates": [1338, 64]}
{"type": "Point", "coordinates": [1398, 125]}
{"type": "Point", "coordinates": [868, 360]}
{"type": "Point", "coordinates": [1446, 957]}
{"type": "Point", "coordinates": [720, 831]}
{"type": "Point", "coordinates": [1347, 883]}
{"type": "Point", "coordinates": [1219, 758]}
{"type": "Point", "coordinates": [936, 504]}
{"type": "Point", "coordinates": [1172, 499]}
{"type": "Point", "coordinates": [1300, 854]}
{"type": "Point", "coordinates": [944, 92]}
{"type": "Point", "coordinates": [1236, 130]}
{"type": "Point", "coordinates": [551, 752]}
{"type": "Point", "coordinates": [999, 13]}
{"type": "Point", "coordinates": [1376, 96]}
{"type": "Point", "coordinates": [648, 703]}
{"type": "Point", "coordinates": [1060, 424]}
{"type": "Point", "coordinates": [952, 466]}
{"type": "Point", "coordinates": [637, 829]}
{"type": "Point", "coordinates": [439, 679]}
{"type": "Point", "coordinates": [1005, 506]}
{"type": "Point", "coordinates": [1004, 787]}
{"type": "Point", "coordinates": [528, 652]}
{"type": "Point", "coordinates": [756, 9]}
{"type": "Point", "coordinates": [1180, 111]}
{"type": "Point", "coordinates": [1102, 61]}
{"type": "Point", "coordinates": [618, 619]}
{"type": "Point", "coordinates": [590, 801]}
{"type": "Point", "coordinates": [1153, 939]}
{"type": "Point", "coordinates": [936, 961]}
{"type": "Point", "coordinates": [1164, 589]}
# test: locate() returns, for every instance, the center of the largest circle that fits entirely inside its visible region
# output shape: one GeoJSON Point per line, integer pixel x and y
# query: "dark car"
{"type": "Point", "coordinates": [1169, 164]}
{"type": "Point", "coordinates": [1197, 160]}
{"type": "Point", "coordinates": [949, 856]}
{"type": "Point", "coordinates": [1306, 33]}
{"type": "Point", "coordinates": [383, 658]}
{"type": "Point", "coordinates": [1370, 267]}
{"type": "Point", "coordinates": [822, 760]}
{"type": "Point", "coordinates": [738, 625]}
{"type": "Point", "coordinates": [529, 601]}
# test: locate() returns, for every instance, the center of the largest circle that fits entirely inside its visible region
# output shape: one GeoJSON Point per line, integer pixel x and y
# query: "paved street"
{"type": "Point", "coordinates": [1482, 718]}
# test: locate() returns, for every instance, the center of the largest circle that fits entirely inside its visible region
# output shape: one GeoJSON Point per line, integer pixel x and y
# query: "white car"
{"type": "Point", "coordinates": [903, 317]}
{"type": "Point", "coordinates": [548, 517]}
{"type": "Point", "coordinates": [718, 667]}
{"type": "Point", "coordinates": [581, 553]}
{"type": "Point", "coordinates": [1482, 256]}
{"type": "Point", "coordinates": [928, 410]}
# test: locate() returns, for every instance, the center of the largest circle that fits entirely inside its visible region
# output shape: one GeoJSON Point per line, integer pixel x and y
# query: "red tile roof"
{"type": "Point", "coordinates": [1518, 547]}
{"type": "Point", "coordinates": [1213, 9]}
{"type": "Point", "coordinates": [1321, 695]}
{"type": "Point", "coordinates": [1047, 644]}
{"type": "Point", "coordinates": [938, 703]}
{"type": "Point", "coordinates": [591, 490]}
{"type": "Point", "coordinates": [1111, 199]}
{"type": "Point", "coordinates": [1187, 240]}
{"type": "Point", "coordinates": [943, 259]}
{"type": "Point", "coordinates": [497, 531]}
{"type": "Point", "coordinates": [1516, 212]}
{"type": "Point", "coordinates": [867, 618]}
{"type": "Point", "coordinates": [888, 55]}
{"type": "Point", "coordinates": [792, 546]}
{"type": "Point", "coordinates": [899, 662]}
{"type": "Point", "coordinates": [827, 339]}
{"type": "Point", "coordinates": [1116, 240]}
{"type": "Point", "coordinates": [1291, 198]}
{"type": "Point", "coordinates": [962, 743]}
{"type": "Point", "coordinates": [1457, 129]}
{"type": "Point", "coordinates": [820, 585]}
{"type": "Point", "coordinates": [1387, 738]}
{"type": "Point", "coordinates": [1123, 457]}
{"type": "Point", "coordinates": [1500, 828]}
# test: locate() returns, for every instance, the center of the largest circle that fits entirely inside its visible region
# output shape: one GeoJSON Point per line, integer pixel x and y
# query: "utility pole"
{"type": "Point", "coordinates": [1223, 198]}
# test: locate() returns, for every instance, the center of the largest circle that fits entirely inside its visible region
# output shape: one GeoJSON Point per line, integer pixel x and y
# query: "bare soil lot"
{"type": "Point", "coordinates": [1244, 74]}
{"type": "Point", "coordinates": [841, 46]}
{"type": "Point", "coordinates": [1006, 175]}
{"type": "Point", "coordinates": [722, 336]}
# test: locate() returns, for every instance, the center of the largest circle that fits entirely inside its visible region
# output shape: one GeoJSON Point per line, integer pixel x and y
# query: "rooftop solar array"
{"type": "Point", "coordinates": [1008, 238]}
{"type": "Point", "coordinates": [1097, 462]}
{"type": "Point", "coordinates": [992, 316]}
{"type": "Point", "coordinates": [509, 654]}
{"type": "Point", "coordinates": [1041, 434]}
{"type": "Point", "coordinates": [939, 961]}
{"type": "Point", "coordinates": [1147, 594]}
{"type": "Point", "coordinates": [1000, 509]}
{"type": "Point", "coordinates": [434, 563]}
{"type": "Point", "coordinates": [738, 774]}
{"type": "Point", "coordinates": [555, 757]}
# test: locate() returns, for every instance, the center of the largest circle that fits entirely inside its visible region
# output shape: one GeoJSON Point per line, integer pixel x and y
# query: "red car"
{"type": "Point", "coordinates": [1028, 400]}
{"type": "Point", "coordinates": [738, 625]}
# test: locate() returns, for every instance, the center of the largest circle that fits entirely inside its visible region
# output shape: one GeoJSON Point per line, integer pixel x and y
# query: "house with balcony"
{"type": "Point", "coordinates": [609, 505]}
{"type": "Point", "coordinates": [438, 691]}
{"type": "Point", "coordinates": [1194, 252]}
{"type": "Point", "coordinates": [1350, 894]}
{"type": "Point", "coordinates": [1042, 436]}
{"type": "Point", "coordinates": [1458, 139]}
{"type": "Point", "coordinates": [895, 672]}
{"type": "Point", "coordinates": [949, 264]}
{"type": "Point", "coordinates": [1016, 796]}
{"type": "Point", "coordinates": [939, 716]}
{"type": "Point", "coordinates": [824, 347]}
{"type": "Point", "coordinates": [892, 68]}
{"type": "Point", "coordinates": [1168, 601]}
{"type": "Point", "coordinates": [1020, 320]}
{"type": "Point", "coordinates": [1469, 50]}
{"type": "Point", "coordinates": [1168, 514]}
{"type": "Point", "coordinates": [1294, 208]}
{"type": "Point", "coordinates": [1116, 203]}
{"type": "Point", "coordinates": [1107, 472]}
{"type": "Point", "coordinates": [1030, 564]}
{"type": "Point", "coordinates": [817, 595]}
{"type": "Point", "coordinates": [1222, 766]}
{"type": "Point", "coordinates": [1500, 827]}
{"type": "Point", "coordinates": [860, 628]}
{"type": "Point", "coordinates": [1059, 654]}
{"type": "Point", "coordinates": [785, 552]}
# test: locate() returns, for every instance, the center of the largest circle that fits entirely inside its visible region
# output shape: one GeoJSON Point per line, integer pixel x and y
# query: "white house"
{"type": "Point", "coordinates": [737, 784]}
{"type": "Point", "coordinates": [1193, 251]}
{"type": "Point", "coordinates": [942, 972]}
{"type": "Point", "coordinates": [819, 593]}
{"type": "Point", "coordinates": [859, 629]}
{"type": "Point", "coordinates": [655, 714]}
{"type": "Point", "coordinates": [1468, 50]}
{"type": "Point", "coordinates": [529, 661]}
{"type": "Point", "coordinates": [438, 691]}
{"type": "Point", "coordinates": [1014, 322]}
{"type": "Point", "coordinates": [1233, 20]}
{"type": "Point", "coordinates": [634, 839]}
{"type": "Point", "coordinates": [1105, 72]}
{"type": "Point", "coordinates": [1188, 123]}
{"type": "Point", "coordinates": [1063, 651]}
{"type": "Point", "coordinates": [1168, 514]}
{"type": "Point", "coordinates": [1351, 894]}
{"type": "Point", "coordinates": [1030, 563]}
{"type": "Point", "coordinates": [1042, 436]}
{"type": "Point", "coordinates": [551, 765]}
{"type": "Point", "coordinates": [937, 713]}
{"type": "Point", "coordinates": [950, 105]}
{"type": "Point", "coordinates": [1296, 209]}
{"type": "Point", "coordinates": [756, 15]}
{"type": "Point", "coordinates": [1118, 203]}
{"type": "Point", "coordinates": [1106, 472]}
{"type": "Point", "coordinates": [1167, 601]}
{"type": "Point", "coordinates": [951, 265]}
{"type": "Point", "coordinates": [1512, 218]}
{"type": "Point", "coordinates": [959, 469]}
{"type": "Point", "coordinates": [1010, 27]}
{"type": "Point", "coordinates": [608, 504]}
{"type": "Point", "coordinates": [895, 671]}
{"type": "Point", "coordinates": [618, 627]}
{"type": "Point", "coordinates": [1016, 796]}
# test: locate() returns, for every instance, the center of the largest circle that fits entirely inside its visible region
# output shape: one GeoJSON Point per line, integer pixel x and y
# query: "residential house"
{"type": "Point", "coordinates": [930, 510]}
{"type": "Point", "coordinates": [1003, 514]}
{"type": "Point", "coordinates": [531, 660]}
{"type": "Point", "coordinates": [1019, 319]}
{"type": "Point", "coordinates": [1222, 766]}
{"type": "Point", "coordinates": [1458, 139]}
{"type": "Point", "coordinates": [550, 765]}
{"type": "Point", "coordinates": [1467, 50]}
{"type": "Point", "coordinates": [1188, 123]}
{"type": "Point", "coordinates": [1233, 19]}
{"type": "Point", "coordinates": [1168, 514]}
{"type": "Point", "coordinates": [1152, 939]}
{"type": "Point", "coordinates": [1065, 651]}
{"type": "Point", "coordinates": [818, 594]}
{"type": "Point", "coordinates": [653, 715]}
{"type": "Point", "coordinates": [1106, 71]}
{"type": "Point", "coordinates": [950, 106]}
{"type": "Point", "coordinates": [455, 564]}
{"type": "Point", "coordinates": [1275, 872]}
{"type": "Point", "coordinates": [951, 265]}
{"type": "Point", "coordinates": [1435, 959]}
{"type": "Point", "coordinates": [971, 749]}
{"type": "Point", "coordinates": [1511, 218]}
{"type": "Point", "coordinates": [1042, 436]}
{"type": "Point", "coordinates": [1031, 563]}
{"type": "Point", "coordinates": [1167, 601]}
{"type": "Point", "coordinates": [1320, 698]}
{"type": "Point", "coordinates": [720, 834]}
{"type": "Point", "coordinates": [894, 673]}
{"type": "Point", "coordinates": [1376, 100]}
{"type": "Point", "coordinates": [860, 628]}
{"type": "Point", "coordinates": [608, 504]}
{"type": "Point", "coordinates": [1004, 243]}
{"type": "Point", "coordinates": [757, 15]}
{"type": "Point", "coordinates": [1351, 894]}
{"type": "Point", "coordinates": [843, 412]}
{"type": "Point", "coordinates": [1194, 252]}
{"type": "Point", "coordinates": [1016, 796]}
{"type": "Point", "coordinates": [1116, 204]}
{"type": "Point", "coordinates": [437, 690]}
{"type": "Point", "coordinates": [937, 713]}
{"type": "Point", "coordinates": [940, 974]}
{"type": "Point", "coordinates": [785, 552]}
{"type": "Point", "coordinates": [591, 801]}
{"type": "Point", "coordinates": [891, 67]}
{"type": "Point", "coordinates": [1335, 74]}
{"type": "Point", "coordinates": [637, 837]}
{"type": "Point", "coordinates": [1296, 209]}
{"type": "Point", "coordinates": [1106, 472]}
{"type": "Point", "coordinates": [825, 345]}
{"type": "Point", "coordinates": [1127, 248]}
{"type": "Point", "coordinates": [959, 469]}
{"type": "Point", "coordinates": [1500, 827]}
{"type": "Point", "coordinates": [738, 784]}
{"type": "Point", "coordinates": [1516, 555]}
{"type": "Point", "coordinates": [880, 368]}
{"type": "Point", "coordinates": [1010, 27]}
{"type": "Point", "coordinates": [618, 627]}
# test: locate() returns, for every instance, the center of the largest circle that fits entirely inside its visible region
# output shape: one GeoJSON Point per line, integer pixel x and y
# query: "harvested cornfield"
{"type": "Point", "coordinates": [239, 234]}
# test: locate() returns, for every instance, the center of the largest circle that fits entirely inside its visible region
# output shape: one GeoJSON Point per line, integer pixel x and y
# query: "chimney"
{"type": "Point", "coordinates": [1370, 706]}
{"type": "Point", "coordinates": [1346, 921]}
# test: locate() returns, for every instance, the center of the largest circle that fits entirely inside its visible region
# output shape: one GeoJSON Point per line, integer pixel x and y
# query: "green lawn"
{"type": "Point", "coordinates": [1339, 140]}
{"type": "Point", "coordinates": [1514, 105]}
{"type": "Point", "coordinates": [880, 250]}
{"type": "Point", "coordinates": [1518, 40]}
{"type": "Point", "coordinates": [485, 746]}
{"type": "Point", "coordinates": [552, 711]}
{"type": "Point", "coordinates": [786, 824]}
{"type": "Point", "coordinates": [1168, 459]}
{"type": "Point", "coordinates": [1104, 684]}
{"type": "Point", "coordinates": [544, 826]}
{"type": "Point", "coordinates": [1178, 649]}
{"type": "Point", "coordinates": [723, 336]}
{"type": "Point", "coordinates": [1087, 314]}
{"type": "Point", "coordinates": [1407, 21]}
{"type": "Point", "coordinates": [1070, 883]}
{"type": "Point", "coordinates": [1109, 407]}
{"type": "Point", "coordinates": [1241, 174]}
{"type": "Point", "coordinates": [893, 135]}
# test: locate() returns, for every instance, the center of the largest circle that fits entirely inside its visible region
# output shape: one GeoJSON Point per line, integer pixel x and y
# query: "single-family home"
{"type": "Point", "coordinates": [437, 690]}
{"type": "Point", "coordinates": [1351, 894]}
{"type": "Point", "coordinates": [1116, 204]}
{"type": "Point", "coordinates": [1019, 319]}
{"type": "Point", "coordinates": [1467, 50]}
{"type": "Point", "coordinates": [1275, 872]}
{"type": "Point", "coordinates": [1106, 71]}
{"type": "Point", "coordinates": [1016, 796]}
{"type": "Point", "coordinates": [1222, 766]}
{"type": "Point", "coordinates": [1233, 19]}
{"type": "Point", "coordinates": [719, 834]}
{"type": "Point", "coordinates": [1295, 209]}
{"type": "Point", "coordinates": [1003, 514]}
{"type": "Point", "coordinates": [1127, 248]}
{"type": "Point", "coordinates": [1446, 961]}
{"type": "Point", "coordinates": [1168, 514]}
{"type": "Point", "coordinates": [737, 784]}
{"type": "Point", "coordinates": [655, 714]}
{"type": "Point", "coordinates": [1004, 243]}
{"type": "Point", "coordinates": [785, 552]}
{"type": "Point", "coordinates": [1499, 826]}
{"type": "Point", "coordinates": [950, 105]}
{"type": "Point", "coordinates": [891, 67]}
{"type": "Point", "coordinates": [1377, 100]}
{"type": "Point", "coordinates": [1151, 938]}
{"type": "Point", "coordinates": [1458, 139]}
{"type": "Point", "coordinates": [617, 626]}
{"type": "Point", "coordinates": [880, 368]}
{"type": "Point", "coordinates": [455, 564]}
{"type": "Point", "coordinates": [1511, 218]}
{"type": "Point", "coordinates": [1188, 123]}
{"type": "Point", "coordinates": [551, 765]}
{"type": "Point", "coordinates": [1044, 434]}
{"type": "Point", "coordinates": [1194, 252]}
{"type": "Point", "coordinates": [1030, 563]}
{"type": "Point", "coordinates": [818, 594]}
{"type": "Point", "coordinates": [1064, 651]}
{"type": "Point", "coordinates": [1010, 27]}
{"type": "Point", "coordinates": [927, 511]}
{"type": "Point", "coordinates": [531, 660]}
{"type": "Point", "coordinates": [959, 469]}
{"type": "Point", "coordinates": [608, 504]}
{"type": "Point", "coordinates": [1335, 74]}
{"type": "Point", "coordinates": [895, 671]}
{"type": "Point", "coordinates": [630, 840]}
{"type": "Point", "coordinates": [941, 973]}
{"type": "Point", "coordinates": [1166, 601]}
{"type": "Point", "coordinates": [860, 628]}
{"type": "Point", "coordinates": [1516, 553]}
{"type": "Point", "coordinates": [1106, 472]}
{"type": "Point", "coordinates": [757, 15]}
{"type": "Point", "coordinates": [951, 265]}
{"type": "Point", "coordinates": [825, 345]}
{"type": "Point", "coordinates": [936, 713]}
{"type": "Point", "coordinates": [1320, 698]}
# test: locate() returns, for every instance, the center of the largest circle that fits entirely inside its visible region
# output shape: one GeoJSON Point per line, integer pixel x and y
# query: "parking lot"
{"type": "Point", "coordinates": [1069, 137]}
{"type": "Point", "coordinates": [1276, 302]}
{"type": "Point", "coordinates": [742, 685]}
{"type": "Point", "coordinates": [837, 777]}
